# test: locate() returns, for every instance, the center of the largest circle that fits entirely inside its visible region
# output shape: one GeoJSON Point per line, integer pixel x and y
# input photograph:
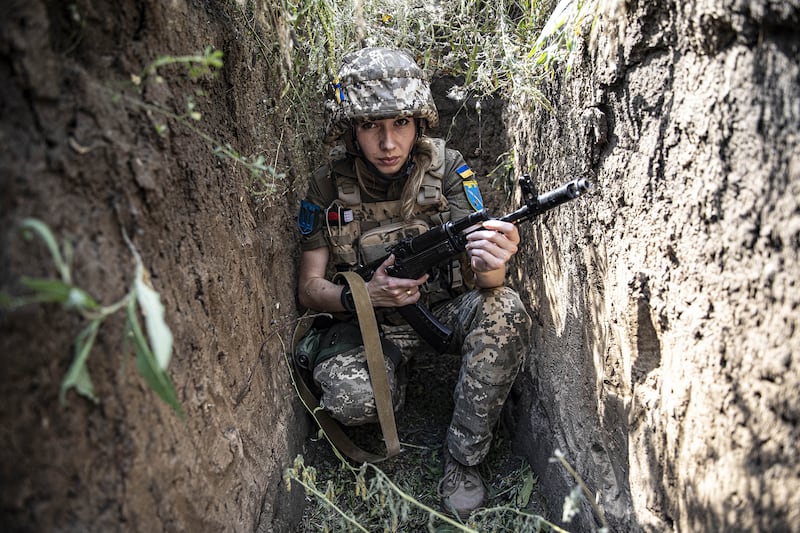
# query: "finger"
{"type": "Point", "coordinates": [494, 241]}
{"type": "Point", "coordinates": [499, 225]}
{"type": "Point", "coordinates": [506, 229]}
{"type": "Point", "coordinates": [491, 255]}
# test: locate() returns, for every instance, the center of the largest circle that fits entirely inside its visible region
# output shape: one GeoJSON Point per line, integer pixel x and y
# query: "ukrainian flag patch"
{"type": "Point", "coordinates": [338, 91]}
{"type": "Point", "coordinates": [473, 194]}
{"type": "Point", "coordinates": [464, 171]}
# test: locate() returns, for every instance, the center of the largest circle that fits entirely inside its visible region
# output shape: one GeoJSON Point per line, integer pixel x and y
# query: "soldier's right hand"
{"type": "Point", "coordinates": [388, 291]}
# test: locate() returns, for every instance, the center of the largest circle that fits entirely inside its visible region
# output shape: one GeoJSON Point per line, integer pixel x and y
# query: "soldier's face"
{"type": "Point", "coordinates": [387, 143]}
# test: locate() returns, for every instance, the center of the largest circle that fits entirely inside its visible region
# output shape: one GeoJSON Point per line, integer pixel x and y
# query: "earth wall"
{"type": "Point", "coordinates": [664, 364]}
{"type": "Point", "coordinates": [95, 147]}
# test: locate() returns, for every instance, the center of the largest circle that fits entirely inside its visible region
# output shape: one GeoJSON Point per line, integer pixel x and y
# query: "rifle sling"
{"type": "Point", "coordinates": [375, 361]}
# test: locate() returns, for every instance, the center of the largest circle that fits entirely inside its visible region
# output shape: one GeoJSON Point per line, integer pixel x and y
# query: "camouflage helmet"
{"type": "Point", "coordinates": [374, 84]}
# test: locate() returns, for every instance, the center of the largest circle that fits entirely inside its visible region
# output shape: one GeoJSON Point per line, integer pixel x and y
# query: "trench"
{"type": "Point", "coordinates": [663, 355]}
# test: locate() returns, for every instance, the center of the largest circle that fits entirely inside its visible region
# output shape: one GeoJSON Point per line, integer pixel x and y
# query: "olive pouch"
{"type": "Point", "coordinates": [321, 343]}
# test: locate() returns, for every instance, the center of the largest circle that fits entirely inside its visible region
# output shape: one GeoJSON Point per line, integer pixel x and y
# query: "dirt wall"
{"type": "Point", "coordinates": [93, 155]}
{"type": "Point", "coordinates": [665, 358]}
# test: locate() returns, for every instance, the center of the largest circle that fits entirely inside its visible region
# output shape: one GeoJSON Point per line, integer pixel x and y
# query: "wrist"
{"type": "Point", "coordinates": [346, 299]}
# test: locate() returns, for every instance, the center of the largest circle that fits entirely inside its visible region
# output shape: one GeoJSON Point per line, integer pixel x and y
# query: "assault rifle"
{"type": "Point", "coordinates": [414, 256]}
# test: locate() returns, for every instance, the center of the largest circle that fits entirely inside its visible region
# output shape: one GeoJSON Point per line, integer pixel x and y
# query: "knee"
{"type": "Point", "coordinates": [504, 307]}
{"type": "Point", "coordinates": [346, 387]}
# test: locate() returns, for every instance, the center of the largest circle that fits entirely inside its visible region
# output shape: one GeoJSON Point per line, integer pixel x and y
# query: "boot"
{"type": "Point", "coordinates": [461, 489]}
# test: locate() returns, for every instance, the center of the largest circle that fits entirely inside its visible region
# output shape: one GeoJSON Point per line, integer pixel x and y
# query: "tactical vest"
{"type": "Point", "coordinates": [359, 233]}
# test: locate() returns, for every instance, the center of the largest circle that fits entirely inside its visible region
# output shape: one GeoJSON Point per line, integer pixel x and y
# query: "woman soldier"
{"type": "Point", "coordinates": [391, 181]}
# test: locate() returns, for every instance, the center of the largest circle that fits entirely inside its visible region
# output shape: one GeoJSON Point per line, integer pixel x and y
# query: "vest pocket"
{"type": "Point", "coordinates": [342, 241]}
{"type": "Point", "coordinates": [375, 242]}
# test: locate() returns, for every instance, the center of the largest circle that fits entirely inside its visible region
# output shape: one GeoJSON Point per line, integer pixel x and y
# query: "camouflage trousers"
{"type": "Point", "coordinates": [491, 328]}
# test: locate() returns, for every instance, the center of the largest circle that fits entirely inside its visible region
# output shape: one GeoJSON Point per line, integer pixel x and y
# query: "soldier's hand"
{"type": "Point", "coordinates": [388, 291]}
{"type": "Point", "coordinates": [491, 247]}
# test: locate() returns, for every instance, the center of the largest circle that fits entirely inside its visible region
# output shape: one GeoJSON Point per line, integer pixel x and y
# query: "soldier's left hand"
{"type": "Point", "coordinates": [492, 246]}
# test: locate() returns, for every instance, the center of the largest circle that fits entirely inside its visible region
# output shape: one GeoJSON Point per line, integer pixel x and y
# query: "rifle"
{"type": "Point", "coordinates": [414, 256]}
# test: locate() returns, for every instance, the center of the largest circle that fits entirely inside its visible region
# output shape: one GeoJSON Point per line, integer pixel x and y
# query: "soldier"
{"type": "Point", "coordinates": [391, 180]}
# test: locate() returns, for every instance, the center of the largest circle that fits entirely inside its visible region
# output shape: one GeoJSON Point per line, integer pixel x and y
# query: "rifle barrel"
{"type": "Point", "coordinates": [549, 200]}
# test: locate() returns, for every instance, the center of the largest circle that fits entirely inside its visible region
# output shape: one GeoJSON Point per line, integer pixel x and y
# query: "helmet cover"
{"type": "Point", "coordinates": [375, 84]}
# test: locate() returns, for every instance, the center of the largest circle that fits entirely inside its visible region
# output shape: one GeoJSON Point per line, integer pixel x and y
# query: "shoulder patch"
{"type": "Point", "coordinates": [473, 194]}
{"type": "Point", "coordinates": [464, 171]}
{"type": "Point", "coordinates": [308, 217]}
{"type": "Point", "coordinates": [470, 187]}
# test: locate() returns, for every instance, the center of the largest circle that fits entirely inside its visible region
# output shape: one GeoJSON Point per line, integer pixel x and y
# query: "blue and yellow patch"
{"type": "Point", "coordinates": [464, 171]}
{"type": "Point", "coordinates": [470, 187]}
{"type": "Point", "coordinates": [338, 91]}
{"type": "Point", "coordinates": [308, 217]}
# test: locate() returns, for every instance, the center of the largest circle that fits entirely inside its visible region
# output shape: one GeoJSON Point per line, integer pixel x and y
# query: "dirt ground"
{"type": "Point", "coordinates": [664, 355]}
{"type": "Point", "coordinates": [664, 365]}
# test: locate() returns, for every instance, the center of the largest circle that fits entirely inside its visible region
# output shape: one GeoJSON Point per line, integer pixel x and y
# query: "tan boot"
{"type": "Point", "coordinates": [461, 489]}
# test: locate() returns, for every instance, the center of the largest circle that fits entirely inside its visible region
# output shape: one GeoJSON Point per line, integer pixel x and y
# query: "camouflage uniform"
{"type": "Point", "coordinates": [490, 325]}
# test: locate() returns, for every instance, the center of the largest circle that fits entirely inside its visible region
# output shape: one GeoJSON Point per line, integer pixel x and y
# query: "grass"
{"type": "Point", "coordinates": [400, 494]}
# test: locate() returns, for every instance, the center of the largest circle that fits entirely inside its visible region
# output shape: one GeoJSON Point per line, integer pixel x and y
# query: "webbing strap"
{"type": "Point", "coordinates": [375, 361]}
{"type": "Point", "coordinates": [333, 431]}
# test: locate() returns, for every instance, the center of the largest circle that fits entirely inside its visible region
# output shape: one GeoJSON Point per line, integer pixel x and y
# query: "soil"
{"type": "Point", "coordinates": [664, 366]}
{"type": "Point", "coordinates": [663, 362]}
{"type": "Point", "coordinates": [82, 152]}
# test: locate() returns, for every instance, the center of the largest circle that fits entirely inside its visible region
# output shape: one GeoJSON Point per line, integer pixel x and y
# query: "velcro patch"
{"type": "Point", "coordinates": [464, 171]}
{"type": "Point", "coordinates": [473, 194]}
{"type": "Point", "coordinates": [308, 217]}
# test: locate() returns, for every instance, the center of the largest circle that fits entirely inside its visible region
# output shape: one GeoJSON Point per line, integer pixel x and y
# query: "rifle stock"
{"type": "Point", "coordinates": [418, 255]}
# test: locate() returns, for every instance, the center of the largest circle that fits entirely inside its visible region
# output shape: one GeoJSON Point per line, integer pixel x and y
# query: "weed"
{"type": "Point", "coordinates": [264, 179]}
{"type": "Point", "coordinates": [200, 63]}
{"type": "Point", "coordinates": [502, 177]}
{"type": "Point", "coordinates": [153, 345]}
{"type": "Point", "coordinates": [364, 498]}
{"type": "Point", "coordinates": [493, 46]}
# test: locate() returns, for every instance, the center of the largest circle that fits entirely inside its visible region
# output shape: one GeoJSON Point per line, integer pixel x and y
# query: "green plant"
{"type": "Point", "coordinates": [366, 499]}
{"type": "Point", "coordinates": [507, 46]}
{"type": "Point", "coordinates": [502, 177]}
{"type": "Point", "coordinates": [200, 63]}
{"type": "Point", "coordinates": [558, 38]}
{"type": "Point", "coordinates": [263, 178]}
{"type": "Point", "coordinates": [152, 346]}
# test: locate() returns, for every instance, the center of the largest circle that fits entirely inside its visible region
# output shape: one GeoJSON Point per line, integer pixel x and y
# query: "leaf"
{"type": "Point", "coordinates": [47, 290]}
{"type": "Point", "coordinates": [156, 378]}
{"type": "Point", "coordinates": [78, 374]}
{"type": "Point", "coordinates": [157, 330]}
{"type": "Point", "coordinates": [53, 290]}
{"type": "Point", "coordinates": [40, 228]}
{"type": "Point", "coordinates": [524, 494]}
